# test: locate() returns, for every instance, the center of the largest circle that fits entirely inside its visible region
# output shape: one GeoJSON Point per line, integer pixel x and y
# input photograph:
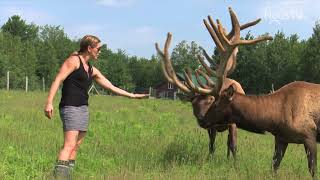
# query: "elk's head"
{"type": "Point", "coordinates": [203, 102]}
{"type": "Point", "coordinates": [201, 105]}
{"type": "Point", "coordinates": [221, 108]}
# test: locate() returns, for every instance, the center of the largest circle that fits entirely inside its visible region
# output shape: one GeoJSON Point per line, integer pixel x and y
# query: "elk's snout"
{"type": "Point", "coordinates": [200, 117]}
{"type": "Point", "coordinates": [204, 125]}
{"type": "Point", "coordinates": [202, 122]}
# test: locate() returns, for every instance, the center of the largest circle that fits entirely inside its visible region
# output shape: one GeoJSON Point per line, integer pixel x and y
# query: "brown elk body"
{"type": "Point", "coordinates": [291, 114]}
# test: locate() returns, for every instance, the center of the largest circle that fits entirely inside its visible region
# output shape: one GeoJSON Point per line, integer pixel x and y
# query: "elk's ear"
{"type": "Point", "coordinates": [230, 91]}
{"type": "Point", "coordinates": [211, 99]}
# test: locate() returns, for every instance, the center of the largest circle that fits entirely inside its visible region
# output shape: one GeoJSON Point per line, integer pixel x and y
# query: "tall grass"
{"type": "Point", "coordinates": [132, 139]}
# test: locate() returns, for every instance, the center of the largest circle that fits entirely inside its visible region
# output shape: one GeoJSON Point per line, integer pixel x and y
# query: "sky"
{"type": "Point", "coordinates": [135, 25]}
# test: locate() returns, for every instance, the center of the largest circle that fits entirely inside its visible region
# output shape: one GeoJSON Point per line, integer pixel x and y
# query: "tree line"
{"type": "Point", "coordinates": [27, 49]}
{"type": "Point", "coordinates": [280, 61]}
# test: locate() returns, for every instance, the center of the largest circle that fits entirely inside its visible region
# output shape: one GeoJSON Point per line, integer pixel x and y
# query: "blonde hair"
{"type": "Point", "coordinates": [86, 41]}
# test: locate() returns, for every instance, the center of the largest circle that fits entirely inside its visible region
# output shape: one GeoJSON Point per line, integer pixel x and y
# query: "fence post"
{"type": "Point", "coordinates": [8, 79]}
{"type": "Point", "coordinates": [27, 83]}
{"type": "Point", "coordinates": [272, 88]}
{"type": "Point", "coordinates": [43, 85]}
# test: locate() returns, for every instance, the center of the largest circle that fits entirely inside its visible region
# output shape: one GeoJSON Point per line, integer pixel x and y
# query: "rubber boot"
{"type": "Point", "coordinates": [62, 171]}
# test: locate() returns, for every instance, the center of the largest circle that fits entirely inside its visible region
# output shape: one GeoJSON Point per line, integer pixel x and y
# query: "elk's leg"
{"type": "Point", "coordinates": [212, 137]}
{"type": "Point", "coordinates": [279, 151]}
{"type": "Point", "coordinates": [310, 147]}
{"type": "Point", "coordinates": [232, 141]}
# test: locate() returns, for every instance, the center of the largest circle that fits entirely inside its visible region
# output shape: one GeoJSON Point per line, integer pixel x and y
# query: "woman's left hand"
{"type": "Point", "coordinates": [140, 96]}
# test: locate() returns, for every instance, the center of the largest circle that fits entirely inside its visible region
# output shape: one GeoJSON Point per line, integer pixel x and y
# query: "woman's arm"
{"type": "Point", "coordinates": [67, 68]}
{"type": "Point", "coordinates": [105, 83]}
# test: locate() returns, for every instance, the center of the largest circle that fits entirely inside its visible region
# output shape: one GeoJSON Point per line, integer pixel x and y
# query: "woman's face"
{"type": "Point", "coordinates": [95, 51]}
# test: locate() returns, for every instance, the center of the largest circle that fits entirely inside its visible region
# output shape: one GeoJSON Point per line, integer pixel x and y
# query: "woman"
{"type": "Point", "coordinates": [77, 74]}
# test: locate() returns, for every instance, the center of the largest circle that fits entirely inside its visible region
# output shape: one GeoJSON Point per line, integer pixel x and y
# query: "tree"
{"type": "Point", "coordinates": [268, 63]}
{"type": "Point", "coordinates": [283, 56]}
{"type": "Point", "coordinates": [18, 27]}
{"type": "Point", "coordinates": [146, 72]}
{"type": "Point", "coordinates": [58, 39]}
{"type": "Point", "coordinates": [156, 74]}
{"type": "Point", "coordinates": [310, 61]}
{"type": "Point", "coordinates": [48, 63]}
{"type": "Point", "coordinates": [12, 54]}
{"type": "Point", "coordinates": [252, 71]}
{"type": "Point", "coordinates": [28, 64]}
{"type": "Point", "coordinates": [184, 55]}
{"type": "Point", "coordinates": [115, 67]}
{"type": "Point", "coordinates": [53, 47]}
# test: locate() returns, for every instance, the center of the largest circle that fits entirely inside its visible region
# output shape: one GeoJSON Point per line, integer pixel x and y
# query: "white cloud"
{"type": "Point", "coordinates": [137, 41]}
{"type": "Point", "coordinates": [115, 3]}
{"type": "Point", "coordinates": [78, 31]}
{"type": "Point", "coordinates": [26, 13]}
{"type": "Point", "coordinates": [140, 36]}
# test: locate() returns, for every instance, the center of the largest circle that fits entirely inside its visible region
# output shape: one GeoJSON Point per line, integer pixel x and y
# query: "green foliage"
{"type": "Point", "coordinates": [19, 58]}
{"type": "Point", "coordinates": [58, 39]}
{"type": "Point", "coordinates": [252, 70]}
{"type": "Point", "coordinates": [48, 63]}
{"type": "Point", "coordinates": [18, 27]}
{"type": "Point", "coordinates": [269, 63]}
{"type": "Point", "coordinates": [310, 62]}
{"type": "Point", "coordinates": [146, 72]}
{"type": "Point", "coordinates": [283, 56]}
{"type": "Point", "coordinates": [185, 55]}
{"type": "Point", "coordinates": [116, 69]}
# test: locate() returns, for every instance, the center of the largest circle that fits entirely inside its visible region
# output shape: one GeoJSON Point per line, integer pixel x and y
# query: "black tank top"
{"type": "Point", "coordinates": [76, 86]}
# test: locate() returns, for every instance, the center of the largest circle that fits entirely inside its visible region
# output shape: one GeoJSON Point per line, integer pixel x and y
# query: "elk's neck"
{"type": "Point", "coordinates": [255, 113]}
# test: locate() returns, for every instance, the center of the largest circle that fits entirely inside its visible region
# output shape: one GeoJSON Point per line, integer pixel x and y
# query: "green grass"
{"type": "Point", "coordinates": [132, 139]}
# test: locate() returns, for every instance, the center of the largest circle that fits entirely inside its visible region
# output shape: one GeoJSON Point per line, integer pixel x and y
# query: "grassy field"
{"type": "Point", "coordinates": [132, 139]}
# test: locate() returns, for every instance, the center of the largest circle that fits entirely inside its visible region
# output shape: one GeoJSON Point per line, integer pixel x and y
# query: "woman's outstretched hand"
{"type": "Point", "coordinates": [140, 96]}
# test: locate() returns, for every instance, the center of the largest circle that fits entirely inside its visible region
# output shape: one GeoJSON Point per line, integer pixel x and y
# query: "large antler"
{"type": "Point", "coordinates": [170, 74]}
{"type": "Point", "coordinates": [227, 46]}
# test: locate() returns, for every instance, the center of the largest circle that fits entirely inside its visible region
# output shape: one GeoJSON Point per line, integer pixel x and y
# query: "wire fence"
{"type": "Point", "coordinates": [12, 81]}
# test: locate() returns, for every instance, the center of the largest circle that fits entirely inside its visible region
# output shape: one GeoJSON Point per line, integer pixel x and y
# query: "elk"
{"type": "Point", "coordinates": [203, 97]}
{"type": "Point", "coordinates": [291, 114]}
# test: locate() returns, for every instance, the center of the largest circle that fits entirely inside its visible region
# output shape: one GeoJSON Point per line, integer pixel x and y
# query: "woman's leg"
{"type": "Point", "coordinates": [62, 169]}
{"type": "Point", "coordinates": [70, 142]}
{"type": "Point", "coordinates": [73, 154]}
